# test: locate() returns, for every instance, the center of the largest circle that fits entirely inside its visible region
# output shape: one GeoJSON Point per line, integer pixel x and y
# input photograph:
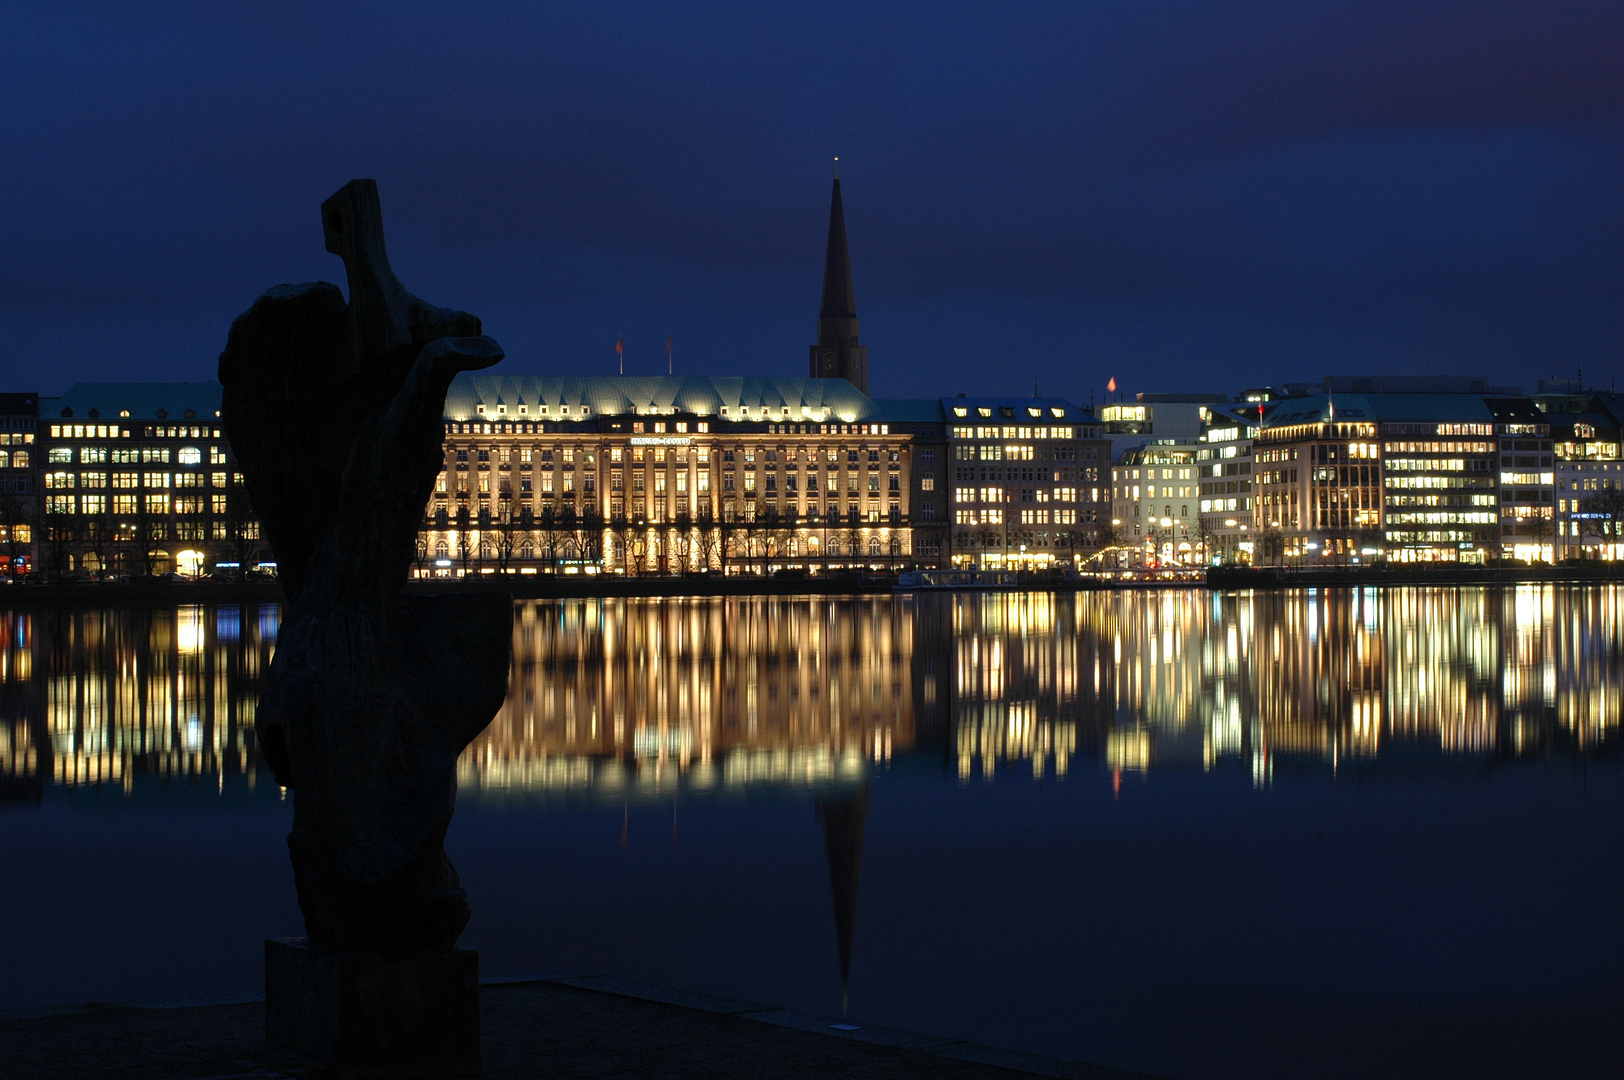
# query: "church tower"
{"type": "Point", "coordinates": [837, 355]}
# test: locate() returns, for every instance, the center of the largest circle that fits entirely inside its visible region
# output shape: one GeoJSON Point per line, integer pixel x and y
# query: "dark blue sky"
{"type": "Point", "coordinates": [1183, 195]}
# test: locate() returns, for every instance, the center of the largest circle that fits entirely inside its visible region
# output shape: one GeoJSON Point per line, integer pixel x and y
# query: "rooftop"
{"type": "Point", "coordinates": [653, 395]}
{"type": "Point", "coordinates": [136, 401]}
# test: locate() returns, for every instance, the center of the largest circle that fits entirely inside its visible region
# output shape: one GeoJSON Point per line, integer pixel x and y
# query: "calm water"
{"type": "Point", "coordinates": [1337, 833]}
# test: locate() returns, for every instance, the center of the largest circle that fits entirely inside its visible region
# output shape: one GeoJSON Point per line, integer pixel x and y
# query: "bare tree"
{"type": "Point", "coordinates": [61, 534]}
{"type": "Point", "coordinates": [589, 546]}
{"type": "Point", "coordinates": [637, 549]}
{"type": "Point", "coordinates": [465, 544]}
{"type": "Point", "coordinates": [98, 532]}
{"type": "Point", "coordinates": [503, 539]}
{"type": "Point", "coordinates": [683, 542]}
{"type": "Point", "coordinates": [547, 526]}
{"type": "Point", "coordinates": [1606, 508]}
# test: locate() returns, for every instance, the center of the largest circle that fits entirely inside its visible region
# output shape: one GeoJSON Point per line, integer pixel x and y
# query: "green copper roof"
{"type": "Point", "coordinates": [142, 400]}
{"type": "Point", "coordinates": [753, 399]}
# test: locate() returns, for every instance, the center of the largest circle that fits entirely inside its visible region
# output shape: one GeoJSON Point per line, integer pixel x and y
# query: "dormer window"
{"type": "Point", "coordinates": [480, 409]}
{"type": "Point", "coordinates": [1033, 412]}
{"type": "Point", "coordinates": [125, 413]}
{"type": "Point", "coordinates": [1006, 412]}
{"type": "Point", "coordinates": [67, 414]}
{"type": "Point", "coordinates": [1057, 413]}
{"type": "Point", "coordinates": [94, 414]}
{"type": "Point", "coordinates": [191, 414]}
{"type": "Point", "coordinates": [960, 410]}
{"type": "Point", "coordinates": [521, 410]}
{"type": "Point", "coordinates": [983, 410]}
{"type": "Point", "coordinates": [501, 410]}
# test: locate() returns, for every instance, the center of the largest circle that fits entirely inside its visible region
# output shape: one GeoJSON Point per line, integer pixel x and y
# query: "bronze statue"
{"type": "Point", "coordinates": [335, 412]}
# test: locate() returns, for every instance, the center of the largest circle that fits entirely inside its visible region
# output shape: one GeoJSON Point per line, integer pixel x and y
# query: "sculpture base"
{"type": "Point", "coordinates": [374, 1015]}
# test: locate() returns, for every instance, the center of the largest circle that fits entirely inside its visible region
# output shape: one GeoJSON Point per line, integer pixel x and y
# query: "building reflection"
{"type": "Point", "coordinates": [113, 696]}
{"type": "Point", "coordinates": [1350, 678]}
{"type": "Point", "coordinates": [642, 698]}
{"type": "Point", "coordinates": [646, 699]}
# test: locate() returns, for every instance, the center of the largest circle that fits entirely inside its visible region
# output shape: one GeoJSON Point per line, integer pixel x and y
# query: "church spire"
{"type": "Point", "coordinates": [837, 355]}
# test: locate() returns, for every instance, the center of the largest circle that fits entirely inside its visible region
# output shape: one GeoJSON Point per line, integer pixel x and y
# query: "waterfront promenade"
{"type": "Point", "coordinates": [585, 1028]}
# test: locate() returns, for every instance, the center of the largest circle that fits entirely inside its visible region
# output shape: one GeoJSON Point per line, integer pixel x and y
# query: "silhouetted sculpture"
{"type": "Point", "coordinates": [335, 412]}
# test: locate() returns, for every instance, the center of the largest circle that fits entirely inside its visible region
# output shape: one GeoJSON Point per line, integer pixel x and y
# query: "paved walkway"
{"type": "Point", "coordinates": [549, 1027]}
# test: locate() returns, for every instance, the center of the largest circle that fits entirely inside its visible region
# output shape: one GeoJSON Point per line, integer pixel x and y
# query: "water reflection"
{"type": "Point", "coordinates": [628, 699]}
{"type": "Point", "coordinates": [116, 697]}
{"type": "Point", "coordinates": [635, 699]}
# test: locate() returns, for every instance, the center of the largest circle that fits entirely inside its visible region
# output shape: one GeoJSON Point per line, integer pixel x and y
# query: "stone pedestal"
{"type": "Point", "coordinates": [375, 1015]}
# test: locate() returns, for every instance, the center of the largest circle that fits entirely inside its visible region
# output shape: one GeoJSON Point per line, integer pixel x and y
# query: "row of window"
{"type": "Point", "coordinates": [62, 480]}
{"type": "Point", "coordinates": [93, 505]}
{"type": "Point", "coordinates": [133, 455]}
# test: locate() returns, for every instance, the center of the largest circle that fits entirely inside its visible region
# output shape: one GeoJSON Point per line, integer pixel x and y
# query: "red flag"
{"type": "Point", "coordinates": [618, 349]}
{"type": "Point", "coordinates": [1111, 386]}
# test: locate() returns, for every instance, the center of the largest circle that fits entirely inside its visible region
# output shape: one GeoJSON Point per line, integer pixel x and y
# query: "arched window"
{"type": "Point", "coordinates": [485, 551]}
{"type": "Point", "coordinates": [5, 459]}
{"type": "Point", "coordinates": [441, 551]}
{"type": "Point", "coordinates": [527, 550]}
{"type": "Point", "coordinates": [189, 455]}
{"type": "Point", "coordinates": [874, 545]}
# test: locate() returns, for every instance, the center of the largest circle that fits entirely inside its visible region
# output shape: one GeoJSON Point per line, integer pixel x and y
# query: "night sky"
{"type": "Point", "coordinates": [1187, 196]}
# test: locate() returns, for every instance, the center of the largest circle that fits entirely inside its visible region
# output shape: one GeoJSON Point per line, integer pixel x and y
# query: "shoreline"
{"type": "Point", "coordinates": [605, 586]}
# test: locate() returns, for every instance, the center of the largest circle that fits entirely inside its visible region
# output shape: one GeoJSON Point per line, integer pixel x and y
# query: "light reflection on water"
{"type": "Point", "coordinates": [636, 699]}
{"type": "Point", "coordinates": [967, 759]}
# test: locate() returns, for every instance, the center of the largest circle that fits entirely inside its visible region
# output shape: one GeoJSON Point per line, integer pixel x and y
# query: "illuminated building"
{"type": "Point", "coordinates": [19, 482]}
{"type": "Point", "coordinates": [1029, 481]}
{"type": "Point", "coordinates": [1586, 432]}
{"type": "Point", "coordinates": [666, 474]}
{"type": "Point", "coordinates": [1156, 503]}
{"type": "Point", "coordinates": [1224, 465]}
{"type": "Point", "coordinates": [1417, 477]}
{"type": "Point", "coordinates": [136, 478]}
{"type": "Point", "coordinates": [1527, 480]}
{"type": "Point", "coordinates": [1164, 418]}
